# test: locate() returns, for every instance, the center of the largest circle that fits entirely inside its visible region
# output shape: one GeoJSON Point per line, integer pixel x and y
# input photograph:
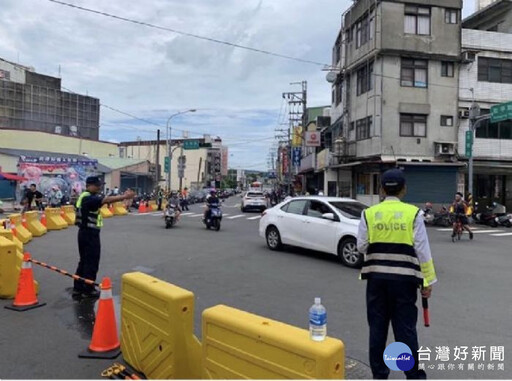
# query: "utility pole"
{"type": "Point", "coordinates": [157, 161]}
{"type": "Point", "coordinates": [181, 170]}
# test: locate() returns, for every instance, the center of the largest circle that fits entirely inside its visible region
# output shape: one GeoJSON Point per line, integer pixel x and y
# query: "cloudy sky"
{"type": "Point", "coordinates": [153, 73]}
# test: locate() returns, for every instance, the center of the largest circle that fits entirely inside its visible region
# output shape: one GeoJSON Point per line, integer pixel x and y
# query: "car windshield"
{"type": "Point", "coordinates": [254, 194]}
{"type": "Point", "coordinates": [349, 209]}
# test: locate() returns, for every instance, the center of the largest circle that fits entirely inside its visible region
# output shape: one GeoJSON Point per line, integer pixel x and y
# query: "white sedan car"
{"type": "Point", "coordinates": [326, 224]}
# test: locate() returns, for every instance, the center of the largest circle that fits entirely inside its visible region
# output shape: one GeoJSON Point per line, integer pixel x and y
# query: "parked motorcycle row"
{"type": "Point", "coordinates": [493, 215]}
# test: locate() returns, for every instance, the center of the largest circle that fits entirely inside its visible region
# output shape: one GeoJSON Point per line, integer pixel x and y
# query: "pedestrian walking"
{"type": "Point", "coordinates": [90, 222]}
{"type": "Point", "coordinates": [55, 197]}
{"type": "Point", "coordinates": [398, 261]}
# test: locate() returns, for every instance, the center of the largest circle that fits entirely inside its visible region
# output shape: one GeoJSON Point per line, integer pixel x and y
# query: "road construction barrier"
{"type": "Point", "coordinates": [157, 325]}
{"type": "Point", "coordinates": [9, 234]}
{"type": "Point", "coordinates": [54, 220]}
{"type": "Point", "coordinates": [119, 209]}
{"type": "Point", "coordinates": [237, 344]}
{"type": "Point", "coordinates": [23, 234]}
{"type": "Point", "coordinates": [34, 225]}
{"type": "Point", "coordinates": [68, 213]}
{"type": "Point", "coordinates": [11, 260]}
{"type": "Point", "coordinates": [152, 205]}
{"type": "Point", "coordinates": [105, 211]}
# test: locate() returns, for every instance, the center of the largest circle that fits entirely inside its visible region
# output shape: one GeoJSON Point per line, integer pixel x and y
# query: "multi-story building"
{"type": "Point", "coordinates": [486, 78]}
{"type": "Point", "coordinates": [33, 101]}
{"type": "Point", "coordinates": [204, 165]}
{"type": "Point", "coordinates": [395, 97]}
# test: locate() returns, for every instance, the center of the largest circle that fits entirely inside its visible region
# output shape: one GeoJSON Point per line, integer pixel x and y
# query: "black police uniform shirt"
{"type": "Point", "coordinates": [91, 203]}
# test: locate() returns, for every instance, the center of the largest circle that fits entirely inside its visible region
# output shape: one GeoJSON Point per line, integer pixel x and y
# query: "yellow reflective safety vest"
{"type": "Point", "coordinates": [89, 219]}
{"type": "Point", "coordinates": [391, 253]}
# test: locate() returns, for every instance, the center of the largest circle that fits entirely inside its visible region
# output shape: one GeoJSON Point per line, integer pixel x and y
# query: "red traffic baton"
{"type": "Point", "coordinates": [426, 314]}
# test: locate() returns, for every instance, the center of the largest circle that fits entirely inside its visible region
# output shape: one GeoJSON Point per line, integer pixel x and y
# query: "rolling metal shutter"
{"type": "Point", "coordinates": [430, 183]}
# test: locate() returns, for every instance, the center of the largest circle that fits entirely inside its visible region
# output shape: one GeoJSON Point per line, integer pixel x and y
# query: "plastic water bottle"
{"type": "Point", "coordinates": [317, 321]}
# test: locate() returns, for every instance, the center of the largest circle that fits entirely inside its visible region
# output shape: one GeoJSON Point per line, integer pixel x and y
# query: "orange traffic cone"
{"type": "Point", "coordinates": [26, 298]}
{"type": "Point", "coordinates": [105, 341]}
{"type": "Point", "coordinates": [43, 219]}
{"type": "Point", "coordinates": [24, 222]}
{"type": "Point", "coordinates": [111, 208]}
{"type": "Point", "coordinates": [13, 230]}
{"type": "Point", "coordinates": [62, 213]}
{"type": "Point", "coordinates": [142, 207]}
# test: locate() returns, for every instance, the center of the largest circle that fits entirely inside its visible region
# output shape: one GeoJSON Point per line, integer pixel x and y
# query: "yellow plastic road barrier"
{"type": "Point", "coordinates": [34, 225]}
{"type": "Point", "coordinates": [157, 325]}
{"type": "Point", "coordinates": [152, 205]}
{"type": "Point", "coordinates": [54, 220]}
{"type": "Point", "coordinates": [69, 214]}
{"type": "Point", "coordinates": [119, 209]}
{"type": "Point", "coordinates": [7, 233]}
{"type": "Point", "coordinates": [240, 345]}
{"type": "Point", "coordinates": [105, 211]}
{"type": "Point", "coordinates": [10, 267]}
{"type": "Point", "coordinates": [21, 231]}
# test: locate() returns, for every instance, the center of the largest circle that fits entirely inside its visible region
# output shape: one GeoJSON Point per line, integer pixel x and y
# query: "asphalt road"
{"type": "Point", "coordinates": [471, 304]}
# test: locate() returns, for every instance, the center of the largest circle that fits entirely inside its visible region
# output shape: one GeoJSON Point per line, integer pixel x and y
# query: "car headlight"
{"type": "Point", "coordinates": [496, 219]}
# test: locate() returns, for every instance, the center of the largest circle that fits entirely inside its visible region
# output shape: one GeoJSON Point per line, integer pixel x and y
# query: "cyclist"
{"type": "Point", "coordinates": [460, 208]}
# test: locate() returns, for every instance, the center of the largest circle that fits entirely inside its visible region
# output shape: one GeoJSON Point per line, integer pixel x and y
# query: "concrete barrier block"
{"type": "Point", "coordinates": [34, 225]}
{"type": "Point", "coordinates": [105, 211]}
{"type": "Point", "coordinates": [157, 323]}
{"type": "Point", "coordinates": [119, 209]}
{"type": "Point", "coordinates": [69, 214]}
{"type": "Point", "coordinates": [22, 233]}
{"type": "Point", "coordinates": [240, 345]}
{"type": "Point", "coordinates": [54, 220]}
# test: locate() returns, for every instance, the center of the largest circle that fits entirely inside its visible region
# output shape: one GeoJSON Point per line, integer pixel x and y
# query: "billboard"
{"type": "Point", "coordinates": [313, 139]}
{"type": "Point", "coordinates": [224, 164]}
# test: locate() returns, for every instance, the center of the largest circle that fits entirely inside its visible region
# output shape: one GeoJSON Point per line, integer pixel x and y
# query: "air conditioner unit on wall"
{"type": "Point", "coordinates": [445, 149]}
{"type": "Point", "coordinates": [468, 57]}
{"type": "Point", "coordinates": [463, 113]}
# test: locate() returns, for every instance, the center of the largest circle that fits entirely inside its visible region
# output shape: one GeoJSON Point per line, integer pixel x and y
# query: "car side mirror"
{"type": "Point", "coordinates": [329, 216]}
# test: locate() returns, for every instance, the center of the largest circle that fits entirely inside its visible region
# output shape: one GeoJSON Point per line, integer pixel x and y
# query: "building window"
{"type": "Point", "coordinates": [447, 69]}
{"type": "Point", "coordinates": [413, 125]}
{"type": "Point", "coordinates": [494, 70]}
{"type": "Point", "coordinates": [339, 93]}
{"type": "Point", "coordinates": [363, 183]}
{"type": "Point", "coordinates": [414, 73]}
{"type": "Point", "coordinates": [365, 28]}
{"type": "Point", "coordinates": [364, 79]}
{"type": "Point", "coordinates": [363, 127]}
{"type": "Point", "coordinates": [417, 20]}
{"type": "Point", "coordinates": [501, 130]}
{"type": "Point", "coordinates": [446, 121]}
{"type": "Point", "coordinates": [451, 16]}
{"type": "Point", "coordinates": [333, 94]}
{"type": "Point", "coordinates": [336, 52]}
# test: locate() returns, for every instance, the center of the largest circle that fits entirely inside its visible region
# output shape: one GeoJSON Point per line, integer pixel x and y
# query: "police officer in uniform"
{"type": "Point", "coordinates": [89, 222]}
{"type": "Point", "coordinates": [393, 237]}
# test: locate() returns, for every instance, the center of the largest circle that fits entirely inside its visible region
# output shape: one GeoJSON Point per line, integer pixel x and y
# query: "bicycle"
{"type": "Point", "coordinates": [458, 229]}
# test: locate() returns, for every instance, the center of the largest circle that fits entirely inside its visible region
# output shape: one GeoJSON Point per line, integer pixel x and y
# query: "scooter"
{"type": "Point", "coordinates": [214, 217]}
{"type": "Point", "coordinates": [170, 216]}
{"type": "Point", "coordinates": [489, 217]}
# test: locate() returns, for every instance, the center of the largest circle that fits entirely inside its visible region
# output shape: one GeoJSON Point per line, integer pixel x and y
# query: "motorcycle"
{"type": "Point", "coordinates": [170, 216]}
{"type": "Point", "coordinates": [214, 217]}
{"type": "Point", "coordinates": [489, 217]}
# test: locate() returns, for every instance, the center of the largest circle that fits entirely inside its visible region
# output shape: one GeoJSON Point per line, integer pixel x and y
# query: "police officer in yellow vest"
{"type": "Point", "coordinates": [89, 222]}
{"type": "Point", "coordinates": [398, 261]}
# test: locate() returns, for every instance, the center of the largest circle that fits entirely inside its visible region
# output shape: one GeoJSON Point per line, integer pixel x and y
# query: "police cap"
{"type": "Point", "coordinates": [93, 180]}
{"type": "Point", "coordinates": [393, 179]}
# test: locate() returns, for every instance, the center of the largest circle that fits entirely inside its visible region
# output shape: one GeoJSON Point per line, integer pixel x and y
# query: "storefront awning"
{"type": "Point", "coordinates": [8, 176]}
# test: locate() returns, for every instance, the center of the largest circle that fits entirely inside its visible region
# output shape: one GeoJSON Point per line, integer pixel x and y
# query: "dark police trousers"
{"type": "Point", "coordinates": [89, 248]}
{"type": "Point", "coordinates": [392, 301]}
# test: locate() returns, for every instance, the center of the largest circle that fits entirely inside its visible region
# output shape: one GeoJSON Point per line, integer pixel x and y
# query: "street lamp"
{"type": "Point", "coordinates": [169, 152]}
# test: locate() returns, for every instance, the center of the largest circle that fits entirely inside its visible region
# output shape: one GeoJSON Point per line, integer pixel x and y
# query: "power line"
{"type": "Point", "coordinates": [204, 38]}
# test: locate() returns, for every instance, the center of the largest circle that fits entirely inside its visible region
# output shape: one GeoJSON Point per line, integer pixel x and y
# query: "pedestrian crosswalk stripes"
{"type": "Point", "coordinates": [501, 234]}
{"type": "Point", "coordinates": [193, 215]}
{"type": "Point", "coordinates": [237, 216]}
{"type": "Point", "coordinates": [490, 231]}
{"type": "Point", "coordinates": [487, 231]}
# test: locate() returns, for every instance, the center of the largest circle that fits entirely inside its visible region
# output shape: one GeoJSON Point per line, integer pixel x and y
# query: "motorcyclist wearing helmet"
{"type": "Point", "coordinates": [175, 203]}
{"type": "Point", "coordinates": [210, 199]}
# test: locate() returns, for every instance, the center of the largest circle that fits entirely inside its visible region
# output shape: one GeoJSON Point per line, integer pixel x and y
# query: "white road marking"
{"type": "Point", "coordinates": [237, 216]}
{"type": "Point", "coordinates": [445, 230]}
{"type": "Point", "coordinates": [196, 215]}
{"type": "Point", "coordinates": [488, 231]}
{"type": "Point", "coordinates": [254, 218]}
{"type": "Point", "coordinates": [187, 214]}
{"type": "Point", "coordinates": [501, 234]}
